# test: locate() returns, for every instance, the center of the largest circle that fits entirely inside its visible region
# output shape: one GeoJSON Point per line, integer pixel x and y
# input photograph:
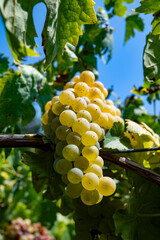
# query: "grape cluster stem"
{"type": "Point", "coordinates": [38, 141]}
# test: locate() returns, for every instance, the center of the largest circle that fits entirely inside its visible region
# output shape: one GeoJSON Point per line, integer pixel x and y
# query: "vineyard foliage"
{"type": "Point", "coordinates": [74, 37]}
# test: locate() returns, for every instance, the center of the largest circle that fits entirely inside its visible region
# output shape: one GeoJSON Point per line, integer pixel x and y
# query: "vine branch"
{"type": "Point", "coordinates": [37, 141]}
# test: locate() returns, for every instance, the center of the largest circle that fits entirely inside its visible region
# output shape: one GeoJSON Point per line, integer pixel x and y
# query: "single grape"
{"type": "Point", "coordinates": [44, 118]}
{"type": "Point", "coordinates": [105, 92]}
{"type": "Point", "coordinates": [76, 79]}
{"type": "Point", "coordinates": [99, 85]}
{"type": "Point", "coordinates": [55, 99]}
{"type": "Point", "coordinates": [78, 104]}
{"type": "Point", "coordinates": [98, 102]}
{"type": "Point", "coordinates": [51, 115]}
{"type": "Point", "coordinates": [73, 138]}
{"type": "Point", "coordinates": [75, 175]}
{"type": "Point", "coordinates": [89, 138]}
{"type": "Point", "coordinates": [81, 163]}
{"type": "Point", "coordinates": [67, 118]}
{"type": "Point", "coordinates": [57, 108]}
{"type": "Point", "coordinates": [89, 197]}
{"type": "Point", "coordinates": [94, 92]}
{"type": "Point", "coordinates": [81, 89]}
{"type": "Point", "coordinates": [109, 102]}
{"type": "Point", "coordinates": [55, 124]}
{"type": "Point", "coordinates": [74, 190]}
{"type": "Point", "coordinates": [62, 166]}
{"type": "Point", "coordinates": [111, 120]}
{"type": "Point", "coordinates": [66, 97]}
{"type": "Point", "coordinates": [62, 132]}
{"type": "Point", "coordinates": [87, 77]}
{"type": "Point", "coordinates": [86, 99]}
{"type": "Point", "coordinates": [71, 152]}
{"type": "Point", "coordinates": [69, 85]}
{"type": "Point", "coordinates": [103, 134]}
{"type": "Point", "coordinates": [106, 186]}
{"type": "Point", "coordinates": [102, 121]}
{"type": "Point", "coordinates": [90, 181]}
{"type": "Point", "coordinates": [84, 114]}
{"type": "Point", "coordinates": [90, 152]}
{"type": "Point", "coordinates": [109, 109]}
{"type": "Point", "coordinates": [97, 129]}
{"type": "Point", "coordinates": [94, 110]}
{"type": "Point", "coordinates": [48, 105]}
{"type": "Point", "coordinates": [59, 147]}
{"type": "Point", "coordinates": [99, 161]}
{"type": "Point", "coordinates": [94, 168]}
{"type": "Point", "coordinates": [80, 126]}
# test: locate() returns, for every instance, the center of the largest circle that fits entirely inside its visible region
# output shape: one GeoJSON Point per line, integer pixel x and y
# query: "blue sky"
{"type": "Point", "coordinates": [124, 70]}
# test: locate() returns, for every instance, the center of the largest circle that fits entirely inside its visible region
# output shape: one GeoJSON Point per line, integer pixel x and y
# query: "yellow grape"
{"type": "Point", "coordinates": [67, 118]}
{"type": "Point", "coordinates": [80, 126]}
{"type": "Point", "coordinates": [81, 89]}
{"type": "Point", "coordinates": [99, 85]}
{"type": "Point", "coordinates": [98, 102]}
{"type": "Point", "coordinates": [118, 112]}
{"type": "Point", "coordinates": [44, 118]}
{"type": "Point", "coordinates": [94, 110]}
{"type": "Point", "coordinates": [55, 99]}
{"type": "Point", "coordinates": [97, 129]}
{"type": "Point", "coordinates": [111, 120]}
{"type": "Point", "coordinates": [57, 108]}
{"type": "Point", "coordinates": [81, 163]}
{"type": "Point", "coordinates": [89, 138]}
{"type": "Point", "coordinates": [105, 92]}
{"type": "Point", "coordinates": [89, 197]}
{"type": "Point", "coordinates": [94, 168]}
{"type": "Point", "coordinates": [71, 152]}
{"type": "Point", "coordinates": [102, 121]}
{"type": "Point", "coordinates": [90, 181]}
{"type": "Point", "coordinates": [86, 99]}
{"type": "Point", "coordinates": [103, 134]}
{"type": "Point", "coordinates": [119, 119]}
{"type": "Point", "coordinates": [69, 85]}
{"type": "Point", "coordinates": [109, 102]}
{"type": "Point", "coordinates": [87, 77]}
{"type": "Point", "coordinates": [106, 186]}
{"type": "Point", "coordinates": [48, 105]}
{"type": "Point", "coordinates": [74, 175]}
{"type": "Point", "coordinates": [94, 93]}
{"type": "Point", "coordinates": [66, 97]}
{"type": "Point", "coordinates": [74, 190]}
{"type": "Point", "coordinates": [73, 138]}
{"type": "Point", "coordinates": [99, 161]}
{"type": "Point", "coordinates": [109, 109]}
{"type": "Point", "coordinates": [78, 104]}
{"type": "Point", "coordinates": [90, 152]}
{"type": "Point", "coordinates": [62, 132]}
{"type": "Point", "coordinates": [76, 79]}
{"type": "Point", "coordinates": [84, 114]}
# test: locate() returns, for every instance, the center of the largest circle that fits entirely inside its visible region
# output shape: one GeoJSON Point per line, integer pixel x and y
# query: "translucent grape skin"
{"type": "Point", "coordinates": [71, 152]}
{"type": "Point", "coordinates": [89, 138]}
{"type": "Point", "coordinates": [62, 132]}
{"type": "Point", "coordinates": [59, 147]}
{"type": "Point", "coordinates": [94, 168]}
{"type": "Point", "coordinates": [106, 186]}
{"type": "Point", "coordinates": [89, 197]}
{"type": "Point", "coordinates": [97, 129]}
{"type": "Point", "coordinates": [94, 110]}
{"type": "Point", "coordinates": [62, 166]}
{"type": "Point", "coordinates": [78, 104]}
{"type": "Point", "coordinates": [81, 89]}
{"type": "Point", "coordinates": [66, 97]}
{"type": "Point", "coordinates": [81, 125]}
{"type": "Point", "coordinates": [87, 77]}
{"type": "Point", "coordinates": [75, 175]}
{"type": "Point", "coordinates": [90, 152]}
{"type": "Point", "coordinates": [90, 181]}
{"type": "Point", "coordinates": [84, 114]}
{"type": "Point", "coordinates": [73, 138]}
{"type": "Point", "coordinates": [81, 163]}
{"type": "Point", "coordinates": [67, 118]}
{"type": "Point", "coordinates": [74, 190]}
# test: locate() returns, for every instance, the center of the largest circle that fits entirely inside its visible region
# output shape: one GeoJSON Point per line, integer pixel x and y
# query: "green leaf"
{"type": "Point", "coordinates": [151, 58]}
{"type": "Point", "coordinates": [148, 6]}
{"type": "Point", "coordinates": [133, 21]}
{"type": "Point", "coordinates": [156, 24]}
{"type": "Point", "coordinates": [117, 5]}
{"type": "Point", "coordinates": [4, 64]}
{"type": "Point", "coordinates": [65, 19]}
{"type": "Point", "coordinates": [142, 219]}
{"type": "Point", "coordinates": [115, 139]}
{"type": "Point", "coordinates": [17, 92]}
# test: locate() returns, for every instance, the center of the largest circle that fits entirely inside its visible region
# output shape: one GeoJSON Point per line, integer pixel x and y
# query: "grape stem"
{"type": "Point", "coordinates": [38, 141]}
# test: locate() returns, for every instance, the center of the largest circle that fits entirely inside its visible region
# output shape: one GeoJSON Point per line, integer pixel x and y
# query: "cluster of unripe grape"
{"type": "Point", "coordinates": [77, 120]}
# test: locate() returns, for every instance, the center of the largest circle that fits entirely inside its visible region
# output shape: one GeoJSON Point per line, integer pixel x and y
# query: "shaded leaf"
{"type": "Point", "coordinates": [4, 64]}
{"type": "Point", "coordinates": [133, 21]}
{"type": "Point", "coordinates": [148, 6]}
{"type": "Point", "coordinates": [118, 7]}
{"type": "Point", "coordinates": [156, 24]}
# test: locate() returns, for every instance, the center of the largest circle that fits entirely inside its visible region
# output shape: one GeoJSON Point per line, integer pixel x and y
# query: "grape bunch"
{"type": "Point", "coordinates": [76, 122]}
{"type": "Point", "coordinates": [20, 229]}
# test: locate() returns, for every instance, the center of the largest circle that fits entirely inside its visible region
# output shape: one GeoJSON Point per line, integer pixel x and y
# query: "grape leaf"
{"type": "Point", "coordinates": [4, 64]}
{"type": "Point", "coordinates": [118, 7]}
{"type": "Point", "coordinates": [148, 6]}
{"type": "Point", "coordinates": [17, 92]}
{"type": "Point", "coordinates": [151, 58]}
{"type": "Point", "coordinates": [133, 21]}
{"type": "Point", "coordinates": [156, 24]}
{"type": "Point", "coordinates": [143, 211]}
{"type": "Point", "coordinates": [63, 24]}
